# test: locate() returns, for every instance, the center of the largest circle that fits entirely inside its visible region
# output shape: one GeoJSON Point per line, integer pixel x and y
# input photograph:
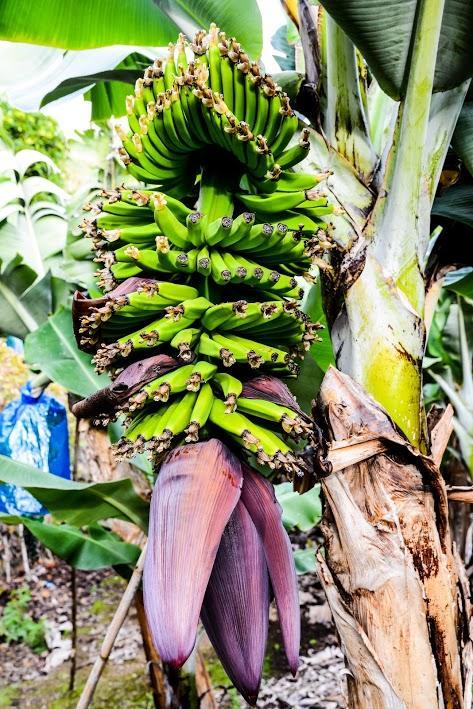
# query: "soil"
{"type": "Point", "coordinates": [28, 679]}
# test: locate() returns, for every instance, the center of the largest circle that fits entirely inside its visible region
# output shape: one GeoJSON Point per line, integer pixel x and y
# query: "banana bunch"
{"type": "Point", "coordinates": [196, 401]}
{"type": "Point", "coordinates": [148, 233]}
{"type": "Point", "coordinates": [200, 279]}
{"type": "Point", "coordinates": [142, 315]}
{"type": "Point", "coordinates": [210, 93]}
{"type": "Point", "coordinates": [201, 264]}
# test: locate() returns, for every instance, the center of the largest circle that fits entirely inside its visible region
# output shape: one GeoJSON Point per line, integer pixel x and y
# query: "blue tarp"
{"type": "Point", "coordinates": [33, 431]}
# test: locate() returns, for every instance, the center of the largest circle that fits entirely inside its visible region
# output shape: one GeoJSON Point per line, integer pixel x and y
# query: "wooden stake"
{"type": "Point", "coordinates": [155, 666]}
{"type": "Point", "coordinates": [111, 634]}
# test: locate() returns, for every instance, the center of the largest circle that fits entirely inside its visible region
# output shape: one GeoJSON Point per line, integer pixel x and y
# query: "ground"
{"type": "Point", "coordinates": [42, 680]}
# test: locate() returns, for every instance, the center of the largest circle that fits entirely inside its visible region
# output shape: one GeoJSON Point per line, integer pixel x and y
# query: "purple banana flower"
{"type": "Point", "coordinates": [259, 498]}
{"type": "Point", "coordinates": [236, 604]}
{"type": "Point", "coordinates": [216, 539]}
{"type": "Point", "coordinates": [195, 494]}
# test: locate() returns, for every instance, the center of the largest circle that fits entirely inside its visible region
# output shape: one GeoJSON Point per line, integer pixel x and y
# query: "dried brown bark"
{"type": "Point", "coordinates": [395, 587]}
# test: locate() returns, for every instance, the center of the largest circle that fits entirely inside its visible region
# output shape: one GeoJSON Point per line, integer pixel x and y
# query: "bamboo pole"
{"type": "Point", "coordinates": [111, 634]}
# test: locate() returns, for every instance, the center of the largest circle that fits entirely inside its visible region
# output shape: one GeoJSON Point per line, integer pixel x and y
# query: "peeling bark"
{"type": "Point", "coordinates": [392, 580]}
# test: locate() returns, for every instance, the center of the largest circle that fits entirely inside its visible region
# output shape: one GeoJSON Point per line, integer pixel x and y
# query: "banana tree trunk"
{"type": "Point", "coordinates": [393, 582]}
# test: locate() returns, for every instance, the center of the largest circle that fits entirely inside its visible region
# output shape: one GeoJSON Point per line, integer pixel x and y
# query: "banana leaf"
{"type": "Point", "coordinates": [93, 548]}
{"type": "Point", "coordinates": [74, 502]}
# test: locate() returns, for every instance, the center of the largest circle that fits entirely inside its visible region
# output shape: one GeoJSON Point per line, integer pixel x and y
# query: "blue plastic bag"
{"type": "Point", "coordinates": [33, 431]}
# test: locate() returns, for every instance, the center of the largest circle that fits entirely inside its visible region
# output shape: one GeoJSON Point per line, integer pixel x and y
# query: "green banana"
{"type": "Point", "coordinates": [217, 230]}
{"type": "Point", "coordinates": [200, 413]}
{"type": "Point", "coordinates": [255, 353]}
{"type": "Point", "coordinates": [288, 127]}
{"type": "Point", "coordinates": [202, 371]}
{"type": "Point", "coordinates": [209, 347]}
{"type": "Point", "coordinates": [215, 316]}
{"type": "Point", "coordinates": [194, 223]}
{"type": "Point", "coordinates": [288, 182]}
{"type": "Point", "coordinates": [184, 340]}
{"type": "Point", "coordinates": [168, 223]}
{"type": "Point", "coordinates": [182, 415]}
{"type": "Point", "coordinates": [270, 448]}
{"type": "Point", "coordinates": [291, 423]}
{"type": "Point", "coordinates": [204, 266]}
{"type": "Point", "coordinates": [240, 230]}
{"type": "Point", "coordinates": [220, 273]}
{"type": "Point", "coordinates": [294, 155]}
{"type": "Point", "coordinates": [231, 388]}
{"type": "Point", "coordinates": [173, 382]}
{"type": "Point", "coordinates": [259, 234]}
{"type": "Point", "coordinates": [276, 202]}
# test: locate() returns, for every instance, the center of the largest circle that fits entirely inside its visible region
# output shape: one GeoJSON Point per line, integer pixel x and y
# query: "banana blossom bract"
{"type": "Point", "coordinates": [216, 547]}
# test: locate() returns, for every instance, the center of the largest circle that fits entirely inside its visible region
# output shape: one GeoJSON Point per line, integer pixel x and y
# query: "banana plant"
{"type": "Point", "coordinates": [222, 218]}
{"type": "Point", "coordinates": [32, 235]}
{"type": "Point", "coordinates": [210, 137]}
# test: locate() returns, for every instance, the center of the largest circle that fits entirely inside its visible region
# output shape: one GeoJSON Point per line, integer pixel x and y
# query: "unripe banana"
{"type": "Point", "coordinates": [200, 413]}
{"type": "Point", "coordinates": [184, 341]}
{"type": "Point", "coordinates": [240, 230]}
{"type": "Point", "coordinates": [231, 388]}
{"type": "Point", "coordinates": [168, 384]}
{"type": "Point", "coordinates": [202, 371]}
{"type": "Point", "coordinates": [168, 224]}
{"type": "Point", "coordinates": [218, 230]}
{"type": "Point", "coordinates": [294, 155]}
{"type": "Point", "coordinates": [194, 224]}
{"type": "Point", "coordinates": [276, 202]}
{"type": "Point", "coordinates": [204, 265]}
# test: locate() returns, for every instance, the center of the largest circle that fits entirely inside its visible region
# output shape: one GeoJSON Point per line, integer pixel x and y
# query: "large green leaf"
{"type": "Point", "coordinates": [304, 560]}
{"type": "Point", "coordinates": [299, 511]}
{"type": "Point", "coordinates": [383, 32]}
{"type": "Point", "coordinates": [68, 25]}
{"type": "Point", "coordinates": [284, 41]}
{"type": "Point", "coordinates": [92, 549]}
{"type": "Point", "coordinates": [74, 502]}
{"type": "Point", "coordinates": [53, 349]}
{"type": "Point", "coordinates": [32, 213]}
{"type": "Point", "coordinates": [107, 90]}
{"type": "Point", "coordinates": [30, 72]}
{"type": "Point", "coordinates": [462, 140]}
{"type": "Point", "coordinates": [77, 83]}
{"type": "Point", "coordinates": [456, 203]}
{"type": "Point", "coordinates": [25, 302]}
{"type": "Point", "coordinates": [460, 281]}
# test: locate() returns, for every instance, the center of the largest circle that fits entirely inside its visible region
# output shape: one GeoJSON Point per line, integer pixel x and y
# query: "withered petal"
{"type": "Point", "coordinates": [260, 500]}
{"type": "Point", "coordinates": [236, 604]}
{"type": "Point", "coordinates": [128, 382]}
{"type": "Point", "coordinates": [196, 491]}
